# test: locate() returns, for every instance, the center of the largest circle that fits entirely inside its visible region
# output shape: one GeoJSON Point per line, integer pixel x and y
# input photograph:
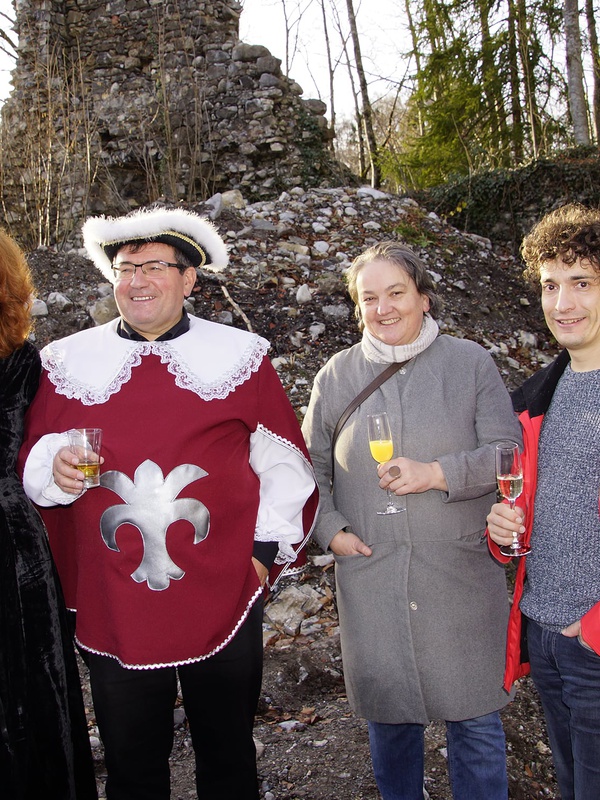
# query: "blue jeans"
{"type": "Point", "coordinates": [476, 759]}
{"type": "Point", "coordinates": [567, 677]}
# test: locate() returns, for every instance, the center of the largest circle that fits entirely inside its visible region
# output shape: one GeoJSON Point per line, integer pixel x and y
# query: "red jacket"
{"type": "Point", "coordinates": [531, 402]}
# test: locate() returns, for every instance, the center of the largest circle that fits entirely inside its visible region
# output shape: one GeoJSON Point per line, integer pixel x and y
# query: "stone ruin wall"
{"type": "Point", "coordinates": [120, 102]}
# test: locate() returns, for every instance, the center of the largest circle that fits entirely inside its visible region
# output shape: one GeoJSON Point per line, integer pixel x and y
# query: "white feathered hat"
{"type": "Point", "coordinates": [194, 235]}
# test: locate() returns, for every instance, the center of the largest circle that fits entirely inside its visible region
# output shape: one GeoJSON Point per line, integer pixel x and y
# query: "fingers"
{"type": "Point", "coordinates": [346, 543]}
{"type": "Point", "coordinates": [390, 472]}
{"type": "Point", "coordinates": [501, 516]}
{"type": "Point", "coordinates": [572, 630]}
{"type": "Point", "coordinates": [502, 522]}
{"type": "Point", "coordinates": [66, 475]}
{"type": "Point", "coordinates": [403, 476]}
{"type": "Point", "coordinates": [363, 548]}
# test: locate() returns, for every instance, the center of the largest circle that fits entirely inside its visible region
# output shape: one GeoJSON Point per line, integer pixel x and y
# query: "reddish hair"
{"type": "Point", "coordinates": [16, 287]}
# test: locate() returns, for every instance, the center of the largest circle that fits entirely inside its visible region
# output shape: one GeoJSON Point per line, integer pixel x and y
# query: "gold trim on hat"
{"type": "Point", "coordinates": [150, 237]}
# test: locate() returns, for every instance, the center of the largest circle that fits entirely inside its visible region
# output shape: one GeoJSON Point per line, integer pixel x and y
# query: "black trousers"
{"type": "Point", "coordinates": [134, 712]}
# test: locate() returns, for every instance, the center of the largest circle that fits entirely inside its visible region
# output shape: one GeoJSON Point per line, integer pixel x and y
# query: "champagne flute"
{"type": "Point", "coordinates": [509, 474]}
{"type": "Point", "coordinates": [382, 449]}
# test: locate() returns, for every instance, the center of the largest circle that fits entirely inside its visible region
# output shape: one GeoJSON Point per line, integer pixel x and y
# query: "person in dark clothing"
{"type": "Point", "coordinates": [44, 744]}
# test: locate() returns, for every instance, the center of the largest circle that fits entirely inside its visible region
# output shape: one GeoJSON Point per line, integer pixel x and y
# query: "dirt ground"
{"type": "Point", "coordinates": [312, 747]}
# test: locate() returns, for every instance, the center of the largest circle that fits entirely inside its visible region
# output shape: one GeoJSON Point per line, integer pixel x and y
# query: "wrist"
{"type": "Point", "coordinates": [438, 479]}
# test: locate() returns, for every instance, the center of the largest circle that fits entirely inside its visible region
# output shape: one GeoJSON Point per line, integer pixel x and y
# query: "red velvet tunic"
{"type": "Point", "coordinates": [157, 560]}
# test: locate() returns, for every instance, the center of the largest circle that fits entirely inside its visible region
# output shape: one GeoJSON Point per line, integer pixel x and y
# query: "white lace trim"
{"type": "Point", "coordinates": [239, 374]}
{"type": "Point", "coordinates": [191, 660]}
{"type": "Point", "coordinates": [269, 434]}
{"type": "Point", "coordinates": [187, 376]}
{"type": "Point", "coordinates": [89, 396]}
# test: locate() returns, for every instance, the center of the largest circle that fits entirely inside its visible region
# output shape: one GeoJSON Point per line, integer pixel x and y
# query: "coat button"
{"type": "Point", "coordinates": [413, 606]}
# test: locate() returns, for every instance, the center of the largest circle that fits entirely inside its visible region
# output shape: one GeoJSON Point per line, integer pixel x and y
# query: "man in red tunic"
{"type": "Point", "coordinates": [205, 484]}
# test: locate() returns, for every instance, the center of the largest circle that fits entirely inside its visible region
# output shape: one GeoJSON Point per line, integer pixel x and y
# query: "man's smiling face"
{"type": "Point", "coordinates": [152, 305]}
{"type": "Point", "coordinates": [571, 305]}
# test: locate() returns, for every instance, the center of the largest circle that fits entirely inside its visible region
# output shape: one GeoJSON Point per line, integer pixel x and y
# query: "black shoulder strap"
{"type": "Point", "coordinates": [360, 398]}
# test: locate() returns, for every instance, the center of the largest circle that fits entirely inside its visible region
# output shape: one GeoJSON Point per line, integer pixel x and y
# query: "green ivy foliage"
{"type": "Point", "coordinates": [508, 201]}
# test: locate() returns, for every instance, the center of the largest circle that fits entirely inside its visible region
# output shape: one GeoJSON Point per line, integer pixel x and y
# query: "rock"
{"type": "Point", "coordinates": [295, 247]}
{"type": "Point", "coordinates": [292, 725]}
{"type": "Point", "coordinates": [528, 339]}
{"type": "Point", "coordinates": [303, 294]}
{"type": "Point", "coordinates": [316, 330]}
{"type": "Point", "coordinates": [59, 301]}
{"type": "Point", "coordinates": [104, 310]}
{"type": "Point", "coordinates": [322, 561]}
{"type": "Point", "coordinates": [178, 716]}
{"type": "Point", "coordinates": [294, 603]}
{"type": "Point", "coordinates": [233, 199]}
{"type": "Point", "coordinates": [341, 312]}
{"type": "Point", "coordinates": [39, 308]}
{"type": "Point", "coordinates": [375, 194]}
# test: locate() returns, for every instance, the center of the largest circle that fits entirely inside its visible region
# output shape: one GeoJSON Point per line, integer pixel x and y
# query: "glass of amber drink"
{"type": "Point", "coordinates": [85, 443]}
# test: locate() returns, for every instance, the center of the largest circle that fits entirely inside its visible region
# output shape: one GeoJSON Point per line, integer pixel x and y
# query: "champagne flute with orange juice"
{"type": "Point", "coordinates": [382, 450]}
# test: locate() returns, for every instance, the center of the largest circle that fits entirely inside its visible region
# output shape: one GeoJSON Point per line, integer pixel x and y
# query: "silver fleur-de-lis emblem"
{"type": "Point", "coordinates": [151, 506]}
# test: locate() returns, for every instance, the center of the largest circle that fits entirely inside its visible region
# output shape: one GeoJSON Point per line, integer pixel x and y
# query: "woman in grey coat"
{"type": "Point", "coordinates": [423, 608]}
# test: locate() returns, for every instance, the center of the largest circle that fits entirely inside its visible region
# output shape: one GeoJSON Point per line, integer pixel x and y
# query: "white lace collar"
{"type": "Point", "coordinates": [209, 360]}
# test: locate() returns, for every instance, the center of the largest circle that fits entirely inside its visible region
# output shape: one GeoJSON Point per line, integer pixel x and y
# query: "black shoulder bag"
{"type": "Point", "coordinates": [360, 398]}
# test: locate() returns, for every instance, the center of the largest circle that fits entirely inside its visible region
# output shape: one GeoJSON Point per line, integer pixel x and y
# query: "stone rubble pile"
{"type": "Point", "coordinates": [285, 280]}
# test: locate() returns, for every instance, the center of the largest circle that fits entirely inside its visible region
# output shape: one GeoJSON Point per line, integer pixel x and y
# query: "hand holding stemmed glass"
{"type": "Point", "coordinates": [509, 474]}
{"type": "Point", "coordinates": [382, 450]}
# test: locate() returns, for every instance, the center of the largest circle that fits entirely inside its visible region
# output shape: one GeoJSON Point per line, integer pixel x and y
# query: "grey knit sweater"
{"type": "Point", "coordinates": [563, 569]}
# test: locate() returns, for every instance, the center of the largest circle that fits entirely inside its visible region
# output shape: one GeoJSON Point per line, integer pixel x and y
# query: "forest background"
{"type": "Point", "coordinates": [425, 92]}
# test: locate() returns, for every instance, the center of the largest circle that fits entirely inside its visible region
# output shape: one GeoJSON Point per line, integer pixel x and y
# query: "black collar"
{"type": "Point", "coordinates": [536, 393]}
{"type": "Point", "coordinates": [125, 330]}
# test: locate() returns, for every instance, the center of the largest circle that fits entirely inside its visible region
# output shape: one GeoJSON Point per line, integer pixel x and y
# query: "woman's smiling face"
{"type": "Point", "coordinates": [391, 307]}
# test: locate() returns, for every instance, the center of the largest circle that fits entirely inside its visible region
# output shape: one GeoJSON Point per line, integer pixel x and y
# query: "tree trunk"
{"type": "Point", "coordinates": [367, 111]}
{"type": "Point", "coordinates": [595, 53]}
{"type": "Point", "coordinates": [528, 77]}
{"type": "Point", "coordinates": [515, 86]}
{"type": "Point", "coordinates": [416, 53]}
{"type": "Point", "coordinates": [577, 100]}
{"type": "Point", "coordinates": [330, 69]}
{"type": "Point", "coordinates": [492, 88]}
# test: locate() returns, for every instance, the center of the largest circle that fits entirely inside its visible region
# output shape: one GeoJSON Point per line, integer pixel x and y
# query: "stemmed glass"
{"type": "Point", "coordinates": [509, 474]}
{"type": "Point", "coordinates": [382, 449]}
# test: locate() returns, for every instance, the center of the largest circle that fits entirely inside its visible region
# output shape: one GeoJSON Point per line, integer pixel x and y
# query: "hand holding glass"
{"type": "Point", "coordinates": [85, 443]}
{"type": "Point", "coordinates": [382, 449]}
{"type": "Point", "coordinates": [509, 473]}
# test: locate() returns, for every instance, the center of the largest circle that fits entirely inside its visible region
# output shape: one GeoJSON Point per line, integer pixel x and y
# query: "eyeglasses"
{"type": "Point", "coordinates": [125, 270]}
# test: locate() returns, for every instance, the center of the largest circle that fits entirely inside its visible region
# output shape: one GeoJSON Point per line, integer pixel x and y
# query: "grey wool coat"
{"type": "Point", "coordinates": [423, 619]}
